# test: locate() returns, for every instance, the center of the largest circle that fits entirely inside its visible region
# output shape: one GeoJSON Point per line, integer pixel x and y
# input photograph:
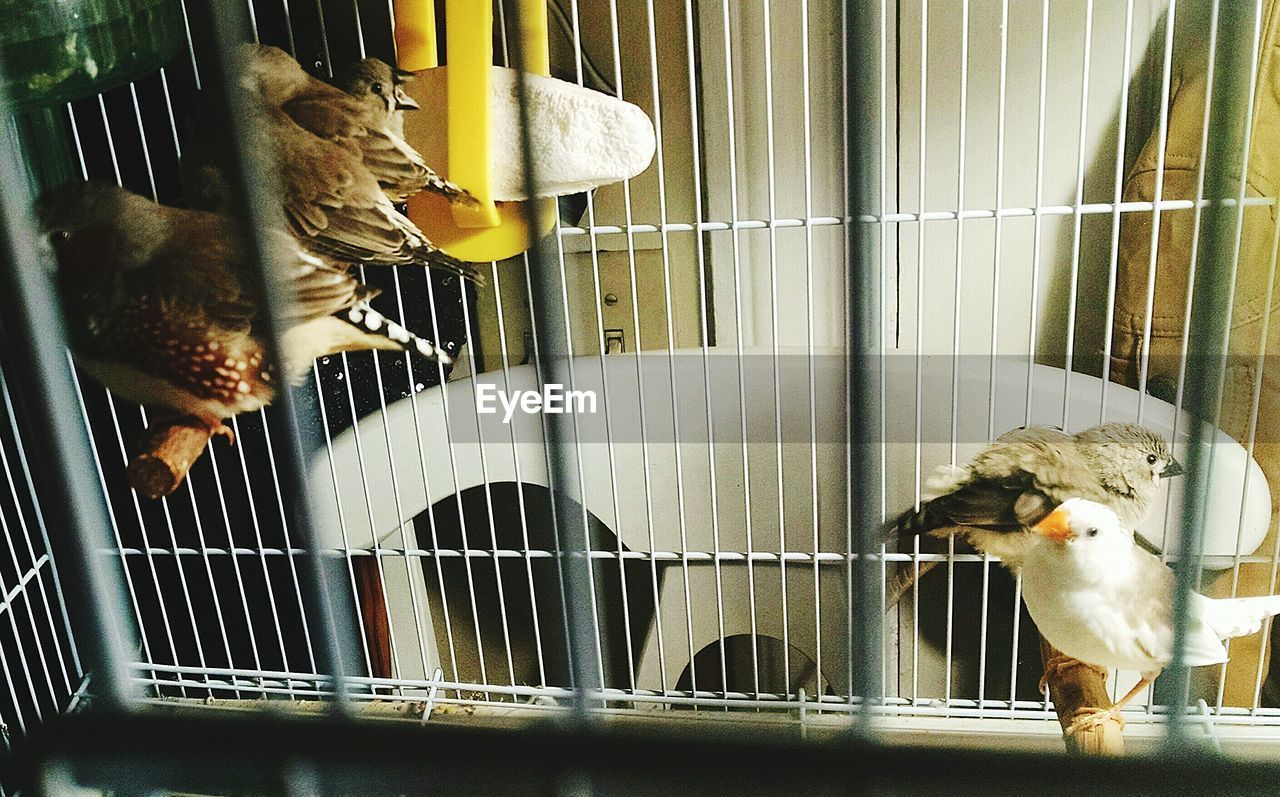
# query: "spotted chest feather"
{"type": "Point", "coordinates": [188, 353]}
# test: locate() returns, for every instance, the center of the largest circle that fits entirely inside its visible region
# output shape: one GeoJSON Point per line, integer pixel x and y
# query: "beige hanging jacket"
{"type": "Point", "coordinates": [1248, 313]}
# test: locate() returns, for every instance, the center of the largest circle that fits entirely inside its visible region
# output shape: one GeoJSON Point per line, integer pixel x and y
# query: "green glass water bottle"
{"type": "Point", "coordinates": [55, 51]}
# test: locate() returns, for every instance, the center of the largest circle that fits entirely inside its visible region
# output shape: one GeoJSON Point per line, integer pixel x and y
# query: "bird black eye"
{"type": "Point", "coordinates": [376, 88]}
{"type": "Point", "coordinates": [58, 237]}
{"type": "Point", "coordinates": [1091, 533]}
{"type": "Point", "coordinates": [1151, 459]}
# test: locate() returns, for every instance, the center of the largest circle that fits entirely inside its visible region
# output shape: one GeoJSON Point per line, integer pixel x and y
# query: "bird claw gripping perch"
{"type": "Point", "coordinates": [1061, 664]}
{"type": "Point", "coordinates": [169, 447]}
{"type": "Point", "coordinates": [219, 429]}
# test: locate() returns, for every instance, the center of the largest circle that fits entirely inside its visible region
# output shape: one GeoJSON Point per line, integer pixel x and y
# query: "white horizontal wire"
{"type": "Point", "coordinates": [289, 683]}
{"type": "Point", "coordinates": [6, 601]}
{"type": "Point", "coordinates": [1028, 211]}
{"type": "Point", "coordinates": [692, 557]}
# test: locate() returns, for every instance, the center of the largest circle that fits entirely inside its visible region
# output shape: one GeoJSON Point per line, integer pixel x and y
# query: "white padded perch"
{"type": "Point", "coordinates": [581, 139]}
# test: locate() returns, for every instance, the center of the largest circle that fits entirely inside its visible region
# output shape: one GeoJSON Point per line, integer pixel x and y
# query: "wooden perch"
{"type": "Point", "coordinates": [373, 613]}
{"type": "Point", "coordinates": [1075, 688]}
{"type": "Point", "coordinates": [167, 450]}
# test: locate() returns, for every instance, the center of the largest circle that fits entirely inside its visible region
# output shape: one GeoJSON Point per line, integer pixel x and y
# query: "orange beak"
{"type": "Point", "coordinates": [1055, 527]}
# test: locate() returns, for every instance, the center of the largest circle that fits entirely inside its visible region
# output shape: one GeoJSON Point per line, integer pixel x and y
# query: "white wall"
{"type": "Point", "coordinates": [772, 276]}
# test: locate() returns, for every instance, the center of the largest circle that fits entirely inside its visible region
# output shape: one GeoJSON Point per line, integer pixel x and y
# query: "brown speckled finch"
{"type": "Point", "coordinates": [1015, 482]}
{"type": "Point", "coordinates": [161, 310]}
{"type": "Point", "coordinates": [338, 166]}
{"type": "Point", "coordinates": [400, 168]}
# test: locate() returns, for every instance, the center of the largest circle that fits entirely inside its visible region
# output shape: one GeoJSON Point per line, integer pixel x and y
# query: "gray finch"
{"type": "Point", "coordinates": [332, 155]}
{"type": "Point", "coordinates": [161, 310]}
{"type": "Point", "coordinates": [400, 169]}
{"type": "Point", "coordinates": [1015, 482]}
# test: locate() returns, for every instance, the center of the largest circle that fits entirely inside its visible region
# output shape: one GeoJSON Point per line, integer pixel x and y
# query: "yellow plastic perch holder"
{"type": "Point", "coordinates": [491, 230]}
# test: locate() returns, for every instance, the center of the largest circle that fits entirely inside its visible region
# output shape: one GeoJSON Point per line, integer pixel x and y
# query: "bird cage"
{"type": "Point", "coordinates": [873, 238]}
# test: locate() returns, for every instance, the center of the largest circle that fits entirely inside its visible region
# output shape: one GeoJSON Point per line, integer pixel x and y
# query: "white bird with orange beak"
{"type": "Point", "coordinates": [1105, 602]}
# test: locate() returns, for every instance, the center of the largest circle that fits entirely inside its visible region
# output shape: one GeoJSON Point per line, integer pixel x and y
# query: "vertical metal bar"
{"type": "Point", "coordinates": [1195, 243]}
{"type": "Point", "coordinates": [1250, 446]}
{"type": "Point", "coordinates": [359, 35]}
{"type": "Point", "coordinates": [1013, 648]}
{"type": "Point", "coordinates": [258, 207]}
{"type": "Point", "coordinates": [406, 560]}
{"type": "Point", "coordinates": [1118, 178]}
{"type": "Point", "coordinates": [426, 488]}
{"type": "Point", "coordinates": [239, 578]}
{"type": "Point", "coordinates": [705, 330]}
{"type": "Point", "coordinates": [553, 360]}
{"type": "Point", "coordinates": [1162, 137]}
{"type": "Point", "coordinates": [882, 235]}
{"type": "Point", "coordinates": [918, 419]}
{"type": "Point", "coordinates": [1206, 342]}
{"type": "Point", "coordinates": [348, 549]}
{"type": "Point", "coordinates": [1033, 302]}
{"type": "Point", "coordinates": [775, 336]}
{"type": "Point", "coordinates": [489, 510]}
{"type": "Point", "coordinates": [1227, 317]}
{"type": "Point", "coordinates": [730, 124]}
{"type": "Point", "coordinates": [535, 333]}
{"type": "Point", "coordinates": [44, 383]}
{"type": "Point", "coordinates": [261, 544]}
{"type": "Point", "coordinates": [115, 422]}
{"type": "Point", "coordinates": [957, 292]}
{"type": "Point", "coordinates": [403, 525]}
{"type": "Point", "coordinates": [191, 48]}
{"type": "Point", "coordinates": [628, 217]}
{"type": "Point", "coordinates": [520, 502]}
{"type": "Point", "coordinates": [413, 389]}
{"type": "Point", "coordinates": [58, 599]}
{"type": "Point", "coordinates": [511, 432]}
{"type": "Point", "coordinates": [1076, 207]}
{"type": "Point", "coordinates": [807, 150]}
{"type": "Point", "coordinates": [671, 339]}
{"type": "Point", "coordinates": [567, 333]}
{"type": "Point", "coordinates": [213, 460]}
{"type": "Point", "coordinates": [865, 345]}
{"type": "Point", "coordinates": [579, 58]}
{"type": "Point", "coordinates": [456, 495]}
{"type": "Point", "coordinates": [130, 589]}
{"type": "Point", "coordinates": [995, 340]}
{"type": "Point", "coordinates": [183, 582]}
{"type": "Point", "coordinates": [361, 631]}
{"type": "Point", "coordinates": [288, 26]}
{"type": "Point", "coordinates": [11, 597]}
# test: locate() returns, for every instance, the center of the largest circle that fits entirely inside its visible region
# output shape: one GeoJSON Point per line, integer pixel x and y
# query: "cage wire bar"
{"type": "Point", "coordinates": [870, 218]}
{"type": "Point", "coordinates": [74, 507]}
{"type": "Point", "coordinates": [554, 352]}
{"type": "Point", "coordinates": [1210, 312]}
{"type": "Point", "coordinates": [255, 197]}
{"type": "Point", "coordinates": [863, 70]}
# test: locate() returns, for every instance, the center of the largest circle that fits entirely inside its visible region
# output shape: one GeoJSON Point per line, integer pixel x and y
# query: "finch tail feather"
{"type": "Point", "coordinates": [1234, 617]}
{"type": "Point", "coordinates": [429, 254]}
{"type": "Point", "coordinates": [915, 522]}
{"type": "Point", "coordinates": [453, 192]}
{"type": "Point", "coordinates": [393, 335]}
